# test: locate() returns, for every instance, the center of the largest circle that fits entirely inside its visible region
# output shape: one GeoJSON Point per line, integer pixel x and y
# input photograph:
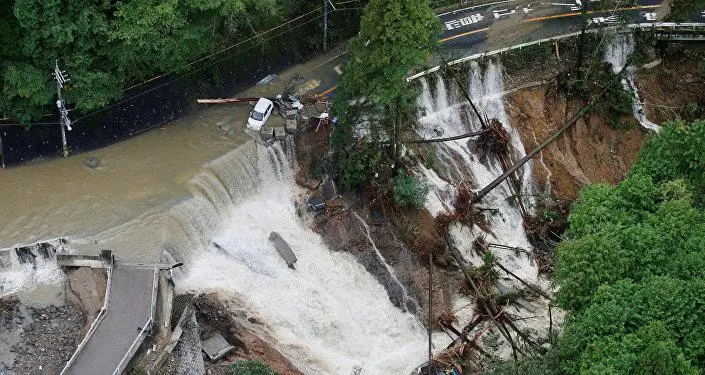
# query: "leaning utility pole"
{"type": "Point", "coordinates": [61, 78]}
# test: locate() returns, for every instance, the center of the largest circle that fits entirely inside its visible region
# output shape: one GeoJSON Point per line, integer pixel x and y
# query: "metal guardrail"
{"type": "Point", "coordinates": [145, 329]}
{"type": "Point", "coordinates": [96, 322]}
{"type": "Point", "coordinates": [661, 26]}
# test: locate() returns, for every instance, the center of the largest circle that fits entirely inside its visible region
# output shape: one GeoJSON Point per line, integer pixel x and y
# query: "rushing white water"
{"type": "Point", "coordinates": [616, 53]}
{"type": "Point", "coordinates": [425, 100]}
{"type": "Point", "coordinates": [410, 304]}
{"type": "Point", "coordinates": [457, 164]}
{"type": "Point", "coordinates": [327, 316]}
{"type": "Point", "coordinates": [31, 271]}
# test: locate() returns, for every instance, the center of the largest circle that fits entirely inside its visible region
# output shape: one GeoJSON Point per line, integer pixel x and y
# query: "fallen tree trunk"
{"type": "Point", "coordinates": [226, 101]}
{"type": "Point", "coordinates": [479, 195]}
{"type": "Point", "coordinates": [482, 299]}
{"type": "Point", "coordinates": [453, 138]}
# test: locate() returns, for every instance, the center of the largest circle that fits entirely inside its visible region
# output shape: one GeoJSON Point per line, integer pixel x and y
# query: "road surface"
{"type": "Point", "coordinates": [128, 309]}
{"type": "Point", "coordinates": [482, 28]}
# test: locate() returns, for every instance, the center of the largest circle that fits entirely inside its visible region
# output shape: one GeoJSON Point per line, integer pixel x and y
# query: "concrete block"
{"type": "Point", "coordinates": [216, 347]}
{"type": "Point", "coordinates": [291, 126]}
{"type": "Point", "coordinates": [267, 133]}
{"type": "Point", "coordinates": [279, 133]}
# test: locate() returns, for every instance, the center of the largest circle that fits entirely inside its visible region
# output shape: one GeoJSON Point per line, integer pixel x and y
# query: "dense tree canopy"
{"type": "Point", "coordinates": [631, 273]}
{"type": "Point", "coordinates": [108, 44]}
{"type": "Point", "coordinates": [395, 36]}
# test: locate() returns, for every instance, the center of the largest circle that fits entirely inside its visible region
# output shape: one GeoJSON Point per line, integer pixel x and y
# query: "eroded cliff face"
{"type": "Point", "coordinates": [675, 88]}
{"type": "Point", "coordinates": [589, 152]}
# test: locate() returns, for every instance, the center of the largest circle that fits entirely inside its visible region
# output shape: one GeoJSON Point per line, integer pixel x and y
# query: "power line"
{"type": "Point", "coordinates": [192, 72]}
{"type": "Point", "coordinates": [225, 49]}
{"type": "Point", "coordinates": [114, 64]}
{"type": "Point", "coordinates": [201, 59]}
{"type": "Point", "coordinates": [30, 124]}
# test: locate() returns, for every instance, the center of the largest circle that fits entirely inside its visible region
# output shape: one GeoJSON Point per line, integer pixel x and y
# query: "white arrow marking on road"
{"type": "Point", "coordinates": [337, 69]}
{"type": "Point", "coordinates": [507, 12]}
{"type": "Point", "coordinates": [599, 20]}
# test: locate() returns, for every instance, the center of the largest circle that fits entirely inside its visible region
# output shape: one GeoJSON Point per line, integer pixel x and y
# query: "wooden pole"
{"type": "Point", "coordinates": [430, 308]}
{"type": "Point", "coordinates": [453, 138]}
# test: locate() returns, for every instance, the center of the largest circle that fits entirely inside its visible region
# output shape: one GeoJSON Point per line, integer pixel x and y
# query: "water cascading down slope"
{"type": "Point", "coordinates": [329, 316]}
{"type": "Point", "coordinates": [617, 53]}
{"type": "Point", "coordinates": [458, 164]}
{"type": "Point", "coordinates": [24, 267]}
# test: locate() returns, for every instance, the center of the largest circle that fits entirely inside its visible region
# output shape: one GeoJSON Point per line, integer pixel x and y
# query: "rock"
{"type": "Point", "coordinates": [91, 162]}
{"type": "Point", "coordinates": [291, 126]}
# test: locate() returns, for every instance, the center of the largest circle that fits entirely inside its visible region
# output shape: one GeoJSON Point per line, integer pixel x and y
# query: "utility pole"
{"type": "Point", "coordinates": [325, 25]}
{"type": "Point", "coordinates": [61, 78]}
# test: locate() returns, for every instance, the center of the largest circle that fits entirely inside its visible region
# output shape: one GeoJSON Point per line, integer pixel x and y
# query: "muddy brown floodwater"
{"type": "Point", "coordinates": [115, 205]}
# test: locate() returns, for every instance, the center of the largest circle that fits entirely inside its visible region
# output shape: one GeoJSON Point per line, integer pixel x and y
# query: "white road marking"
{"type": "Point", "coordinates": [465, 21]}
{"type": "Point", "coordinates": [507, 12]}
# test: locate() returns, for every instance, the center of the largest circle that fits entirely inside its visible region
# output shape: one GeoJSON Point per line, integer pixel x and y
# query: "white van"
{"type": "Point", "coordinates": [260, 114]}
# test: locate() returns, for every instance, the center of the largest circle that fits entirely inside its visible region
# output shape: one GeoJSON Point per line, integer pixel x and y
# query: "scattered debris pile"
{"type": "Point", "coordinates": [492, 143]}
{"type": "Point", "coordinates": [224, 336]}
{"type": "Point", "coordinates": [38, 340]}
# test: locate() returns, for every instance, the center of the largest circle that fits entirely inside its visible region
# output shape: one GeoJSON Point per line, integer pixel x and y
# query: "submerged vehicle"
{"type": "Point", "coordinates": [283, 249]}
{"type": "Point", "coordinates": [260, 114]}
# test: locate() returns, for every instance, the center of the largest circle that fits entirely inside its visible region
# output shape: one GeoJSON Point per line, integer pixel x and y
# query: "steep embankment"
{"type": "Point", "coordinates": [589, 152]}
{"type": "Point", "coordinates": [675, 87]}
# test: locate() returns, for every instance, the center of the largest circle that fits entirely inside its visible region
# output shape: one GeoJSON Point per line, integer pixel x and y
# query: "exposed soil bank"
{"type": "Point", "coordinates": [214, 315]}
{"type": "Point", "coordinates": [589, 152]}
{"type": "Point", "coordinates": [674, 88]}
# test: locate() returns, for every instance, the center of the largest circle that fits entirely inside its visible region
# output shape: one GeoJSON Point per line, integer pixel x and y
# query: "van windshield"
{"type": "Point", "coordinates": [257, 116]}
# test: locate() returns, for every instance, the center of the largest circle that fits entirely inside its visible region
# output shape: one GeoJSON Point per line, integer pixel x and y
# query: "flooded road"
{"type": "Point", "coordinates": [123, 195]}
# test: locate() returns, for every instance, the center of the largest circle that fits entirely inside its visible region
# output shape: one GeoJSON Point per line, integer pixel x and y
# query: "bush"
{"type": "Point", "coordinates": [408, 192]}
{"type": "Point", "coordinates": [680, 9]}
{"type": "Point", "coordinates": [431, 156]}
{"type": "Point", "coordinates": [360, 165]}
{"type": "Point", "coordinates": [245, 367]}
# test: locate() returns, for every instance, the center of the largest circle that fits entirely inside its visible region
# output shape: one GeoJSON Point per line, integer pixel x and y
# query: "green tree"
{"type": "Point", "coordinates": [373, 102]}
{"type": "Point", "coordinates": [408, 191]}
{"type": "Point", "coordinates": [631, 273]}
{"type": "Point", "coordinates": [247, 367]}
{"type": "Point", "coordinates": [677, 152]}
{"type": "Point", "coordinates": [108, 45]}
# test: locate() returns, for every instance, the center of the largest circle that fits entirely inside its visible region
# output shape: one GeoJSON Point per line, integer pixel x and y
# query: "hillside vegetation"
{"type": "Point", "coordinates": [108, 45]}
{"type": "Point", "coordinates": [631, 274]}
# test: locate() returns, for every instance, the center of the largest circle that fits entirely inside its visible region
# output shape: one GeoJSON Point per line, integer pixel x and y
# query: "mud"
{"type": "Point", "coordinates": [215, 315]}
{"type": "Point", "coordinates": [589, 152]}
{"type": "Point", "coordinates": [39, 341]}
{"type": "Point", "coordinates": [674, 88]}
